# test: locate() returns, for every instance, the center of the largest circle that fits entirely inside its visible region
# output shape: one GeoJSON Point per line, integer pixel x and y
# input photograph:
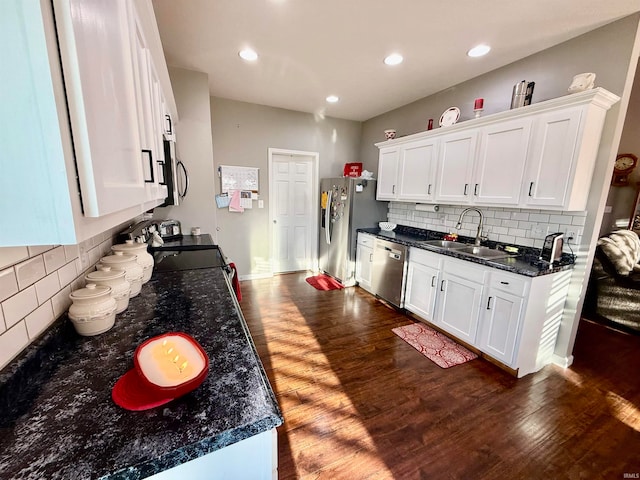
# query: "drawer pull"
{"type": "Point", "coordinates": [504, 283]}
{"type": "Point", "coordinates": [489, 304]}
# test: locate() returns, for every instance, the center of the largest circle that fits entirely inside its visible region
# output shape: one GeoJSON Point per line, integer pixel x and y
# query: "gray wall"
{"type": "Point", "coordinates": [611, 52]}
{"type": "Point", "coordinates": [242, 134]}
{"type": "Point", "coordinates": [193, 136]}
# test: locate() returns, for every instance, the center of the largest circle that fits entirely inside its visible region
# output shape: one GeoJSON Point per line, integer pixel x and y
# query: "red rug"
{"type": "Point", "coordinates": [437, 347]}
{"type": "Point", "coordinates": [324, 282]}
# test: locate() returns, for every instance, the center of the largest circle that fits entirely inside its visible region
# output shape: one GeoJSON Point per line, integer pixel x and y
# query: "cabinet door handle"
{"type": "Point", "coordinates": [393, 189]}
{"type": "Point", "coordinates": [489, 304]}
{"type": "Point", "coordinates": [466, 186]}
{"type": "Point", "coordinates": [504, 283]}
{"type": "Point", "coordinates": [530, 188]}
{"type": "Point", "coordinates": [442, 286]}
{"type": "Point", "coordinates": [475, 189]}
{"type": "Point", "coordinates": [162, 181]}
{"type": "Point", "coordinates": [169, 125]}
{"type": "Point", "coordinates": [149, 153]}
{"type": "Point", "coordinates": [371, 258]}
{"type": "Point", "coordinates": [433, 281]}
{"type": "Point", "coordinates": [429, 190]}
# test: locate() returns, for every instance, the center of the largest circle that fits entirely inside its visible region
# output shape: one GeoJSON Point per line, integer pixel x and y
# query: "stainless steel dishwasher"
{"type": "Point", "coordinates": [387, 276]}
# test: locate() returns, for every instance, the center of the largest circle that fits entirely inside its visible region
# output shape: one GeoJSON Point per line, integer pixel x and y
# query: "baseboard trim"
{"type": "Point", "coordinates": [563, 362]}
{"type": "Point", "coordinates": [254, 276]}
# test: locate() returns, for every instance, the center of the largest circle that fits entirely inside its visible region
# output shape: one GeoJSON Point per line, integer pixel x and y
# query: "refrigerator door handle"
{"type": "Point", "coordinates": [327, 218]}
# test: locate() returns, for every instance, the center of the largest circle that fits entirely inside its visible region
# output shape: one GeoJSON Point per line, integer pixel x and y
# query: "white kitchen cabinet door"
{"type": "Point", "coordinates": [416, 176]}
{"type": "Point", "coordinates": [499, 329]}
{"type": "Point", "coordinates": [364, 262]}
{"type": "Point", "coordinates": [458, 307]}
{"type": "Point", "coordinates": [501, 162]}
{"type": "Point", "coordinates": [387, 174]}
{"type": "Point", "coordinates": [455, 167]}
{"type": "Point", "coordinates": [551, 161]}
{"type": "Point", "coordinates": [95, 47]}
{"type": "Point", "coordinates": [421, 289]}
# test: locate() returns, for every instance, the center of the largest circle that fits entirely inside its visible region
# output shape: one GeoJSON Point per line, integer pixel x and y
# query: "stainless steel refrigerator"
{"type": "Point", "coordinates": [346, 204]}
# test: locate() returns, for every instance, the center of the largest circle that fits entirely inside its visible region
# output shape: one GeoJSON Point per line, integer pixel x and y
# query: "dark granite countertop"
{"type": "Point", "coordinates": [526, 262]}
{"type": "Point", "coordinates": [57, 417]}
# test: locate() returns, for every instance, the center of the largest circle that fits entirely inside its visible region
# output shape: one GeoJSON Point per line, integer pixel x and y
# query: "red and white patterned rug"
{"type": "Point", "coordinates": [437, 347]}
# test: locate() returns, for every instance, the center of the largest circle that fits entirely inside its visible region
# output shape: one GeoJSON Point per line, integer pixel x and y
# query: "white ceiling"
{"type": "Point", "coordinates": [313, 48]}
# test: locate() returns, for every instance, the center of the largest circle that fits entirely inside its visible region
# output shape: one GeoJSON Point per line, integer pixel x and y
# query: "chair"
{"type": "Point", "coordinates": [613, 294]}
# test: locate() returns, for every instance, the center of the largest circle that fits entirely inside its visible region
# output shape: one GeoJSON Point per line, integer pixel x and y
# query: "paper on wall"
{"type": "Point", "coordinates": [245, 199]}
{"type": "Point", "coordinates": [234, 205]}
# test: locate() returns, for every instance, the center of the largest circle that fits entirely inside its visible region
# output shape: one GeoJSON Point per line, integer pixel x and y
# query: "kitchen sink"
{"type": "Point", "coordinates": [482, 252]}
{"type": "Point", "coordinates": [446, 244]}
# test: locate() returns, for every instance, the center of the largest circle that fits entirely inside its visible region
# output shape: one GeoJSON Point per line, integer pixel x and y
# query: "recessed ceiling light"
{"type": "Point", "coordinates": [479, 50]}
{"type": "Point", "coordinates": [332, 99]}
{"type": "Point", "coordinates": [248, 55]}
{"type": "Point", "coordinates": [393, 59]}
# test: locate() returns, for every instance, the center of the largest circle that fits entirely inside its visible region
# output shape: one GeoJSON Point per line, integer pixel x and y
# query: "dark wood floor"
{"type": "Point", "coordinates": [359, 403]}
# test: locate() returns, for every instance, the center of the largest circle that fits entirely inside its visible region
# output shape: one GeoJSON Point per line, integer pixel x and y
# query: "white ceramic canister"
{"type": "Point", "coordinates": [128, 263]}
{"type": "Point", "coordinates": [120, 286]}
{"type": "Point", "coordinates": [93, 310]}
{"type": "Point", "coordinates": [143, 257]}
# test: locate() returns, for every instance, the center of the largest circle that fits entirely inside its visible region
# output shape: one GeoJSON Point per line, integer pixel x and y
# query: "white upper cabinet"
{"type": "Point", "coordinates": [553, 160]}
{"type": "Point", "coordinates": [78, 124]}
{"type": "Point", "coordinates": [416, 173]}
{"type": "Point", "coordinates": [387, 174]}
{"type": "Point", "coordinates": [94, 39]}
{"type": "Point", "coordinates": [500, 162]}
{"type": "Point", "coordinates": [455, 167]}
{"type": "Point", "coordinates": [538, 156]}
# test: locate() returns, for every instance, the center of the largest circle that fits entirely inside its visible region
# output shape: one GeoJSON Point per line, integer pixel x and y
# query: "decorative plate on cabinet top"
{"type": "Point", "coordinates": [449, 116]}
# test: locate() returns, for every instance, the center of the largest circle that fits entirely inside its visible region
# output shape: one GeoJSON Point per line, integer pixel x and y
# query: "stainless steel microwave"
{"type": "Point", "coordinates": [176, 176]}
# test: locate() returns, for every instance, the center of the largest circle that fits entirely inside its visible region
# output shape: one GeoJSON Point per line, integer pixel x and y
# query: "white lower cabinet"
{"type": "Point", "coordinates": [423, 279]}
{"type": "Point", "coordinates": [459, 299]}
{"type": "Point", "coordinates": [500, 325]}
{"type": "Point", "coordinates": [364, 260]}
{"type": "Point", "coordinates": [512, 318]}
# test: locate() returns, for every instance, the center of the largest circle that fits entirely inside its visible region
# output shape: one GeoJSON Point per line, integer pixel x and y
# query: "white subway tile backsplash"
{"type": "Point", "coordinates": [70, 252]}
{"type": "Point", "coordinates": [38, 249]}
{"type": "Point", "coordinates": [8, 283]}
{"type": "Point", "coordinates": [54, 259]}
{"type": "Point", "coordinates": [12, 342]}
{"type": "Point", "coordinates": [61, 301]}
{"type": "Point", "coordinates": [68, 273]}
{"type": "Point", "coordinates": [19, 306]}
{"type": "Point", "coordinates": [30, 272]}
{"type": "Point", "coordinates": [578, 220]}
{"type": "Point", "coordinates": [510, 225]}
{"type": "Point", "coordinates": [47, 287]}
{"type": "Point", "coordinates": [539, 217]}
{"type": "Point", "coordinates": [12, 255]}
{"type": "Point", "coordinates": [39, 320]}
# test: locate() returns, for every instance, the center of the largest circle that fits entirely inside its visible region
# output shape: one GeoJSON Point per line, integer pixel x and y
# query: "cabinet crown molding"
{"type": "Point", "coordinates": [597, 96]}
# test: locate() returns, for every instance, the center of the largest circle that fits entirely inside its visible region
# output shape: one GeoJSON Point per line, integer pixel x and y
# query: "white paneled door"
{"type": "Point", "coordinates": [293, 181]}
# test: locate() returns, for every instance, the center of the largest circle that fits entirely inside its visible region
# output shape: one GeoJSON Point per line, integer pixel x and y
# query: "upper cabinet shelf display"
{"type": "Point", "coordinates": [539, 156]}
{"type": "Point", "coordinates": [84, 144]}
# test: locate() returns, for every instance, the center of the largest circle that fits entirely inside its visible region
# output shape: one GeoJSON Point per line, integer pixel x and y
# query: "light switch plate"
{"type": "Point", "coordinates": [260, 203]}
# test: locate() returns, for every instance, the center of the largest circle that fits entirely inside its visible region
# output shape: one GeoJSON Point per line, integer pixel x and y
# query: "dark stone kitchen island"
{"type": "Point", "coordinates": [58, 419]}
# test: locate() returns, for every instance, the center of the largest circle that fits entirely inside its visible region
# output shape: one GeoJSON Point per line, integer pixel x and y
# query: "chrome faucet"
{"type": "Point", "coordinates": [479, 234]}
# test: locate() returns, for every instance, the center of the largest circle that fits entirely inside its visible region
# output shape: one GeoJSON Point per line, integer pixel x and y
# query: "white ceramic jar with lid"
{"type": "Point", "coordinates": [120, 286]}
{"type": "Point", "coordinates": [128, 263]}
{"type": "Point", "coordinates": [143, 257]}
{"type": "Point", "coordinates": [93, 310]}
